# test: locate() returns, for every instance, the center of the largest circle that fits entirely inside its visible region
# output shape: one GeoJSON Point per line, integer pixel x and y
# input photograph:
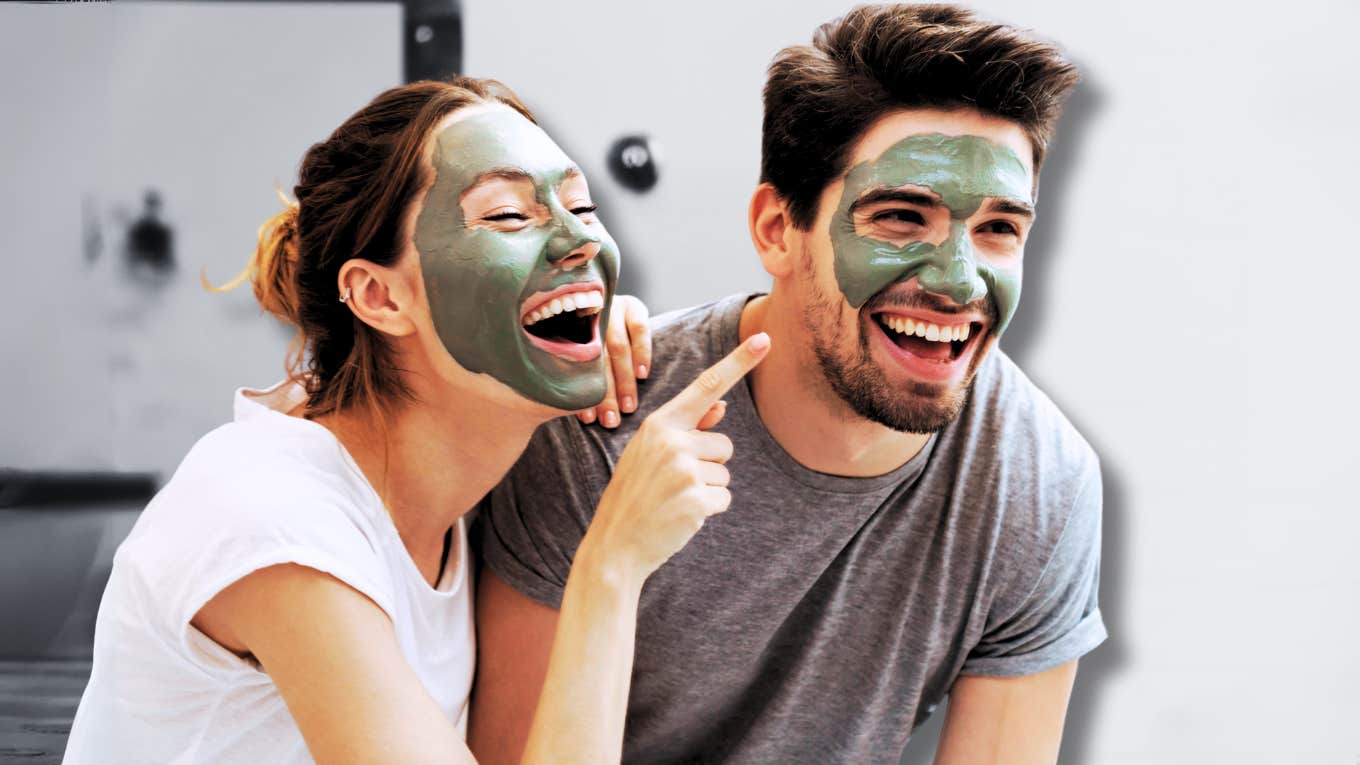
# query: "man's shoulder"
{"type": "Point", "coordinates": [1033, 467]}
{"type": "Point", "coordinates": [1022, 420]}
{"type": "Point", "coordinates": [688, 340]}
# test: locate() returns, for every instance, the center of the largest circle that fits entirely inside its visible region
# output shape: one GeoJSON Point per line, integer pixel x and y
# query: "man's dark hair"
{"type": "Point", "coordinates": [820, 98]}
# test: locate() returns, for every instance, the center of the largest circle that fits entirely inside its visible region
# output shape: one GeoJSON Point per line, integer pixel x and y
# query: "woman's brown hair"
{"type": "Point", "coordinates": [353, 193]}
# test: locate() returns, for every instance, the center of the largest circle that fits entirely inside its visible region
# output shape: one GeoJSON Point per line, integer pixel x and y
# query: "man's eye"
{"type": "Point", "coordinates": [1000, 227]}
{"type": "Point", "coordinates": [584, 209]}
{"type": "Point", "coordinates": [900, 216]}
{"type": "Point", "coordinates": [508, 215]}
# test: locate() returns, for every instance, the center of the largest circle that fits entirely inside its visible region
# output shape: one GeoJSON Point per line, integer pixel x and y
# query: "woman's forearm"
{"type": "Point", "coordinates": [581, 710]}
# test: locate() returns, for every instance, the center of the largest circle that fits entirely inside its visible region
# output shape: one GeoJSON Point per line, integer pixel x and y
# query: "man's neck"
{"type": "Point", "coordinates": [801, 411]}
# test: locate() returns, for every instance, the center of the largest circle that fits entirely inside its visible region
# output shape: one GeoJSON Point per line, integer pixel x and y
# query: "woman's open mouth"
{"type": "Point", "coordinates": [565, 322]}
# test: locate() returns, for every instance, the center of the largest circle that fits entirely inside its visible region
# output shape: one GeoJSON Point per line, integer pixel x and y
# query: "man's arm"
{"type": "Point", "coordinates": [514, 640]}
{"type": "Point", "coordinates": [1010, 720]}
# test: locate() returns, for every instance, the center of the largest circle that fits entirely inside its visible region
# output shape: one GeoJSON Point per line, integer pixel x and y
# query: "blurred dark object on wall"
{"type": "Point", "coordinates": [433, 48]}
{"type": "Point", "coordinates": [58, 534]}
{"type": "Point", "coordinates": [150, 242]}
{"type": "Point", "coordinates": [632, 161]}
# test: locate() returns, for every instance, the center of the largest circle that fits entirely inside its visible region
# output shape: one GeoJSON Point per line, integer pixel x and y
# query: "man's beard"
{"type": "Point", "coordinates": [913, 407]}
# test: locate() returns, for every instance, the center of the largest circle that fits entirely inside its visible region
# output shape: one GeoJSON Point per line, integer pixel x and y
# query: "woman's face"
{"type": "Point", "coordinates": [518, 270]}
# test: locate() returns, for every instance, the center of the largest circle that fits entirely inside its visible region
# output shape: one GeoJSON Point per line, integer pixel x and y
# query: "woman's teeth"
{"type": "Point", "coordinates": [586, 302]}
{"type": "Point", "coordinates": [932, 332]}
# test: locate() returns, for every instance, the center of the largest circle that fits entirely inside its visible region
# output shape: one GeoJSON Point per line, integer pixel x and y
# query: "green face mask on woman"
{"type": "Point", "coordinates": [481, 273]}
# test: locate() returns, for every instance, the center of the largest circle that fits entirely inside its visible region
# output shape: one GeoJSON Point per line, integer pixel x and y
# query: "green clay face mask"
{"type": "Point", "coordinates": [492, 275]}
{"type": "Point", "coordinates": [962, 171]}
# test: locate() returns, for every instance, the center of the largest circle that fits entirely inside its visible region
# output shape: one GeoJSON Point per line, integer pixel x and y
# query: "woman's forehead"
{"type": "Point", "coordinates": [496, 140]}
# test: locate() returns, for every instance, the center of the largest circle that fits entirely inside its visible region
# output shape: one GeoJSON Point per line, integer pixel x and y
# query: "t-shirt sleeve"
{"type": "Point", "coordinates": [529, 526]}
{"type": "Point", "coordinates": [1059, 619]}
{"type": "Point", "coordinates": [203, 541]}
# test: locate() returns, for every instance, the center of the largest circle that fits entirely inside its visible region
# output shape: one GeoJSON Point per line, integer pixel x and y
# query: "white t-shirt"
{"type": "Point", "coordinates": [266, 489]}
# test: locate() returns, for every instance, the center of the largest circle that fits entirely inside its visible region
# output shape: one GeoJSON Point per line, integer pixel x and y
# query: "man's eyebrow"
{"type": "Point", "coordinates": [895, 194]}
{"type": "Point", "coordinates": [1009, 206]}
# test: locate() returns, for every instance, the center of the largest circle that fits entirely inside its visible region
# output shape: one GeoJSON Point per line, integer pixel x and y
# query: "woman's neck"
{"type": "Point", "coordinates": [431, 464]}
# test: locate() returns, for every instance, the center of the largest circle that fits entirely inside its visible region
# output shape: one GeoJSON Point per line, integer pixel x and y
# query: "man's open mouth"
{"type": "Point", "coordinates": [565, 321]}
{"type": "Point", "coordinates": [939, 342]}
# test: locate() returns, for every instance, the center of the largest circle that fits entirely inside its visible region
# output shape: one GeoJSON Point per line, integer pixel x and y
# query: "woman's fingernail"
{"type": "Point", "coordinates": [759, 341]}
{"type": "Point", "coordinates": [610, 419]}
{"type": "Point", "coordinates": [642, 370]}
{"type": "Point", "coordinates": [626, 404]}
{"type": "Point", "coordinates": [588, 415]}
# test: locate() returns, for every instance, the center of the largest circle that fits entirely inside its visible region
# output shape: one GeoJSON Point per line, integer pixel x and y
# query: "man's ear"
{"type": "Point", "coordinates": [772, 231]}
{"type": "Point", "coordinates": [380, 296]}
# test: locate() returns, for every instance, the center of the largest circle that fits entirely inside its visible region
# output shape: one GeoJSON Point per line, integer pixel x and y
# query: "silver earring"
{"type": "Point", "coordinates": [344, 296]}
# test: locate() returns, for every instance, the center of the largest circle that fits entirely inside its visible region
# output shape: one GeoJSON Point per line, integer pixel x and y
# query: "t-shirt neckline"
{"type": "Point", "coordinates": [724, 336]}
{"type": "Point", "coordinates": [275, 402]}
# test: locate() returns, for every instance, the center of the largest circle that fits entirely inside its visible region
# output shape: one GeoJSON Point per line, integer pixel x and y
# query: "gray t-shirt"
{"type": "Point", "coordinates": [821, 618]}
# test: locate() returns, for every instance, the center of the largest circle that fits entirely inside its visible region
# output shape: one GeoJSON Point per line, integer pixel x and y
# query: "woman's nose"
{"type": "Point", "coordinates": [577, 256]}
{"type": "Point", "coordinates": [572, 245]}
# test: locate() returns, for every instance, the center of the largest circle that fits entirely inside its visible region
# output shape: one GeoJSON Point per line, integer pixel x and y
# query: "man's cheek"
{"type": "Point", "coordinates": [1003, 285]}
{"type": "Point", "coordinates": [865, 267]}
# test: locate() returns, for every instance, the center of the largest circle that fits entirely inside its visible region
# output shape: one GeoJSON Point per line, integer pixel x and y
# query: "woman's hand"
{"type": "Point", "coordinates": [671, 477]}
{"type": "Point", "coordinates": [628, 345]}
{"type": "Point", "coordinates": [669, 480]}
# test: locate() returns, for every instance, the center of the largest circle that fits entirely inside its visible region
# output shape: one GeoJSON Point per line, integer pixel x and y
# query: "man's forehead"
{"type": "Point", "coordinates": [959, 170]}
{"type": "Point", "coordinates": [897, 126]}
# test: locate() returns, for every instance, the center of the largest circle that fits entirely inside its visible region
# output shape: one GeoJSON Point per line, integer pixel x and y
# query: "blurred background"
{"type": "Point", "coordinates": [1187, 298]}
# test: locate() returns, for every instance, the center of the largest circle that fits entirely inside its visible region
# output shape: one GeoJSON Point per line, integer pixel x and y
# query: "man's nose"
{"type": "Point", "coordinates": [952, 270]}
{"type": "Point", "coordinates": [571, 244]}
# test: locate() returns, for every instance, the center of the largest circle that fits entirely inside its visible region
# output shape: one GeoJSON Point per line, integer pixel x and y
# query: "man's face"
{"type": "Point", "coordinates": [913, 264]}
{"type": "Point", "coordinates": [518, 270]}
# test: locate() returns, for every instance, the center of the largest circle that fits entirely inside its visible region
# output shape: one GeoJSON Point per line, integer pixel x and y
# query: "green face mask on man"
{"type": "Point", "coordinates": [962, 171]}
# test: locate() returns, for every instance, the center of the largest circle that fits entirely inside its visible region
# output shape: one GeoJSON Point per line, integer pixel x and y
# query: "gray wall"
{"type": "Point", "coordinates": [213, 105]}
{"type": "Point", "coordinates": [1186, 296]}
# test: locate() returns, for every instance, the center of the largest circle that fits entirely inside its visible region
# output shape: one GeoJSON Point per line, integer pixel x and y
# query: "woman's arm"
{"type": "Point", "coordinates": [669, 480]}
{"type": "Point", "coordinates": [333, 655]}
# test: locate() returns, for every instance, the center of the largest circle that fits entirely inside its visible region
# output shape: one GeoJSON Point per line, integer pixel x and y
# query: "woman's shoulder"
{"type": "Point", "coordinates": [256, 464]}
{"type": "Point", "coordinates": [250, 495]}
{"type": "Point", "coordinates": [266, 456]}
{"type": "Point", "coordinates": [264, 487]}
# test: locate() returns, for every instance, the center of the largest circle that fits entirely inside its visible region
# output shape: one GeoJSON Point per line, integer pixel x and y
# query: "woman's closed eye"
{"type": "Point", "coordinates": [501, 215]}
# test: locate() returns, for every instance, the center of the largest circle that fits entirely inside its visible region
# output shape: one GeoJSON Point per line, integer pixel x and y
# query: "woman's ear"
{"type": "Point", "coordinates": [771, 231]}
{"type": "Point", "coordinates": [380, 296]}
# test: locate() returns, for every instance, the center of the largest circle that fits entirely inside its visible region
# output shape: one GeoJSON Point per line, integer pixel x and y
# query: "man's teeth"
{"type": "Point", "coordinates": [931, 332]}
{"type": "Point", "coordinates": [588, 302]}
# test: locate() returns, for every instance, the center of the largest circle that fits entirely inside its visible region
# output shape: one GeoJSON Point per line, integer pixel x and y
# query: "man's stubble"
{"type": "Point", "coordinates": [850, 371]}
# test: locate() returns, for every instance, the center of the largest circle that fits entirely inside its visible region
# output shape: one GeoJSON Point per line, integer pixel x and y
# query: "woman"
{"type": "Point", "coordinates": [299, 588]}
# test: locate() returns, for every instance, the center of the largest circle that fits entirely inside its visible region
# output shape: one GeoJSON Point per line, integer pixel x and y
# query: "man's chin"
{"type": "Point", "coordinates": [892, 396]}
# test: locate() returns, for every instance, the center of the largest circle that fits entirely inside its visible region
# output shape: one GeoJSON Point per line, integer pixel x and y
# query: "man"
{"type": "Point", "coordinates": [911, 518]}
